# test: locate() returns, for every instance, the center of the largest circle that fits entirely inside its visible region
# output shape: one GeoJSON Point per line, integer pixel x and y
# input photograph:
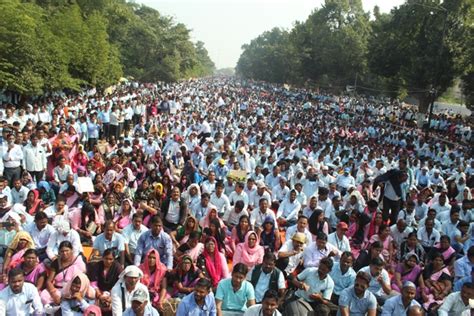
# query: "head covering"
{"type": "Point", "coordinates": [251, 256]}
{"type": "Point", "coordinates": [409, 284]}
{"type": "Point", "coordinates": [132, 209]}
{"type": "Point", "coordinates": [130, 271]}
{"type": "Point", "coordinates": [213, 267]}
{"type": "Point", "coordinates": [110, 177]}
{"type": "Point", "coordinates": [36, 202]}
{"type": "Point", "coordinates": [44, 185]}
{"type": "Point", "coordinates": [93, 309]}
{"type": "Point", "coordinates": [63, 226]}
{"type": "Point", "coordinates": [157, 276]}
{"type": "Point", "coordinates": [19, 236]}
{"type": "Point", "coordinates": [86, 290]}
{"type": "Point", "coordinates": [301, 237]}
{"type": "Point", "coordinates": [206, 221]}
{"type": "Point", "coordinates": [140, 296]}
{"type": "Point", "coordinates": [158, 189]}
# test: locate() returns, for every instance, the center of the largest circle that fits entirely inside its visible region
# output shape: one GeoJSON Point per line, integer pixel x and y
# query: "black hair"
{"type": "Point", "coordinates": [378, 262]}
{"type": "Point", "coordinates": [29, 252]}
{"type": "Point", "coordinates": [240, 268]}
{"type": "Point", "coordinates": [327, 262]}
{"type": "Point", "coordinates": [65, 243]}
{"type": "Point", "coordinates": [322, 236]}
{"type": "Point", "coordinates": [108, 251]}
{"type": "Point", "coordinates": [40, 216]}
{"type": "Point", "coordinates": [347, 254]}
{"type": "Point", "coordinates": [203, 283]}
{"type": "Point", "coordinates": [269, 256]}
{"type": "Point", "coordinates": [15, 272]}
{"type": "Point", "coordinates": [270, 295]}
{"type": "Point", "coordinates": [156, 219]}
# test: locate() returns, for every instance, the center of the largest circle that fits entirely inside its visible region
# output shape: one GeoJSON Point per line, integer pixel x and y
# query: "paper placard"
{"type": "Point", "coordinates": [84, 184]}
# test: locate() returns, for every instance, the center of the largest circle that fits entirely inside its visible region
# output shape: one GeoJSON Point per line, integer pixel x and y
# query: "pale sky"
{"type": "Point", "coordinates": [225, 25]}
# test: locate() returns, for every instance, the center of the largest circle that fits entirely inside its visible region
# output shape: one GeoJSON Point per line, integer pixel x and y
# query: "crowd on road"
{"type": "Point", "coordinates": [225, 197]}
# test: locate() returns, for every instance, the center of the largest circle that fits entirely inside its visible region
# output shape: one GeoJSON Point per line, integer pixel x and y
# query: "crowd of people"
{"type": "Point", "coordinates": [225, 197]}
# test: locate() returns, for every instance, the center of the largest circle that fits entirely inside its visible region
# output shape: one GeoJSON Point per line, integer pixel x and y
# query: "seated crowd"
{"type": "Point", "coordinates": [239, 211]}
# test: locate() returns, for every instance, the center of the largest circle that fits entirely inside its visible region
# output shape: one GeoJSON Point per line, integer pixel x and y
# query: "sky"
{"type": "Point", "coordinates": [225, 25]}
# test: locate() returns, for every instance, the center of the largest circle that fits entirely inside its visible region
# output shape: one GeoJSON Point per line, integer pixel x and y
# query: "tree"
{"type": "Point", "coordinates": [417, 50]}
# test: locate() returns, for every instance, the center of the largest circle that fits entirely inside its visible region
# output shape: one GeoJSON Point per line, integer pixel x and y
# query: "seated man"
{"type": "Point", "coordinates": [319, 249]}
{"type": "Point", "coordinates": [356, 300]}
{"type": "Point", "coordinates": [125, 288]}
{"type": "Point", "coordinates": [291, 253]}
{"type": "Point", "coordinates": [379, 280]}
{"type": "Point", "coordinates": [266, 276]}
{"type": "Point", "coordinates": [235, 294]}
{"type": "Point", "coordinates": [399, 304]}
{"type": "Point", "coordinates": [20, 297]}
{"type": "Point", "coordinates": [343, 275]}
{"type": "Point", "coordinates": [267, 308]}
{"type": "Point", "coordinates": [140, 305]}
{"type": "Point", "coordinates": [457, 303]}
{"type": "Point", "coordinates": [201, 299]}
{"type": "Point", "coordinates": [315, 291]}
{"type": "Point", "coordinates": [109, 239]}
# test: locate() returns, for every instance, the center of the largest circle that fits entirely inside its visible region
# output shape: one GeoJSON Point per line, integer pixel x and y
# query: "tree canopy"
{"type": "Point", "coordinates": [50, 45]}
{"type": "Point", "coordinates": [417, 48]}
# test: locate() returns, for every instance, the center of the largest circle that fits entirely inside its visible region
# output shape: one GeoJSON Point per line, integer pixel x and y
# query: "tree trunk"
{"type": "Point", "coordinates": [423, 110]}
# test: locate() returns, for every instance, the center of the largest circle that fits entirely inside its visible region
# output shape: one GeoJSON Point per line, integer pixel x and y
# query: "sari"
{"type": "Point", "coordinates": [153, 280]}
{"type": "Point", "coordinates": [246, 255]}
{"type": "Point", "coordinates": [411, 275]}
{"type": "Point", "coordinates": [187, 279]}
{"type": "Point", "coordinates": [17, 257]}
{"type": "Point", "coordinates": [34, 207]}
{"type": "Point", "coordinates": [63, 275]}
{"type": "Point", "coordinates": [100, 279]}
{"type": "Point", "coordinates": [33, 275]}
{"type": "Point", "coordinates": [86, 291]}
{"type": "Point", "coordinates": [123, 220]}
{"type": "Point", "coordinates": [437, 277]}
{"type": "Point", "coordinates": [181, 235]}
{"type": "Point", "coordinates": [214, 265]}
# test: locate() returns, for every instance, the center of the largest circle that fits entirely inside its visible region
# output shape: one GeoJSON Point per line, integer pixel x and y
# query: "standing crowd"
{"type": "Point", "coordinates": [225, 197]}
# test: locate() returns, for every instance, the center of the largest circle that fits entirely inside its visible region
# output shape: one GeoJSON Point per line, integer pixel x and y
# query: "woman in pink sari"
{"type": "Point", "coordinates": [79, 159]}
{"type": "Point", "coordinates": [33, 202]}
{"type": "Point", "coordinates": [435, 283]}
{"type": "Point", "coordinates": [17, 248]}
{"type": "Point", "coordinates": [386, 239]}
{"type": "Point", "coordinates": [407, 270]}
{"type": "Point", "coordinates": [35, 272]}
{"type": "Point", "coordinates": [124, 215]}
{"type": "Point", "coordinates": [154, 277]}
{"type": "Point", "coordinates": [448, 252]}
{"type": "Point", "coordinates": [62, 270]}
{"type": "Point", "coordinates": [249, 252]}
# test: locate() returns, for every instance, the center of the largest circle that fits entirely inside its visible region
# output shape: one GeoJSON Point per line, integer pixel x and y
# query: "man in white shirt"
{"type": "Point", "coordinates": [457, 303]}
{"type": "Point", "coordinates": [318, 250]}
{"type": "Point", "coordinates": [428, 235]}
{"type": "Point", "coordinates": [12, 155]}
{"type": "Point", "coordinates": [34, 158]}
{"type": "Point", "coordinates": [126, 286]}
{"type": "Point", "coordinates": [63, 232]}
{"type": "Point", "coordinates": [239, 194]}
{"type": "Point", "coordinates": [280, 191]}
{"type": "Point", "coordinates": [20, 298]}
{"type": "Point", "coordinates": [287, 214]}
{"type": "Point", "coordinates": [259, 194]}
{"type": "Point", "coordinates": [291, 253]}
{"type": "Point", "coordinates": [339, 239]}
{"type": "Point", "coordinates": [220, 199]}
{"type": "Point", "coordinates": [259, 215]}
{"type": "Point", "coordinates": [269, 306]}
{"type": "Point", "coordinates": [40, 232]}
{"type": "Point", "coordinates": [132, 233]}
{"type": "Point", "coordinates": [301, 226]}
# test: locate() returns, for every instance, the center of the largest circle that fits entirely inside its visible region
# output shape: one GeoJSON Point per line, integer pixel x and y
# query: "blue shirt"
{"type": "Point", "coordinates": [117, 243]}
{"type": "Point", "coordinates": [462, 268]}
{"type": "Point", "coordinates": [357, 306]}
{"type": "Point", "coordinates": [73, 307]}
{"type": "Point", "coordinates": [162, 243]}
{"type": "Point", "coordinates": [394, 306]}
{"type": "Point", "coordinates": [93, 130]}
{"type": "Point", "coordinates": [459, 283]}
{"type": "Point", "coordinates": [188, 306]}
{"type": "Point", "coordinates": [234, 301]}
{"type": "Point", "coordinates": [149, 311]}
{"type": "Point", "coordinates": [341, 281]}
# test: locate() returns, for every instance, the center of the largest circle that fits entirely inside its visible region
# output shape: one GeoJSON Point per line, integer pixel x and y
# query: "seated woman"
{"type": "Point", "coordinates": [386, 239]}
{"type": "Point", "coordinates": [412, 245]}
{"type": "Point", "coordinates": [356, 233]}
{"type": "Point", "coordinates": [435, 283]}
{"type": "Point", "coordinates": [211, 214]}
{"type": "Point", "coordinates": [62, 270]}
{"type": "Point", "coordinates": [407, 270]}
{"type": "Point", "coordinates": [366, 256]}
{"type": "Point", "coordinates": [218, 232]}
{"type": "Point", "coordinates": [35, 271]}
{"type": "Point", "coordinates": [239, 231]}
{"type": "Point", "coordinates": [109, 209]}
{"type": "Point", "coordinates": [185, 277]}
{"type": "Point", "coordinates": [270, 238]}
{"type": "Point", "coordinates": [448, 252]}
{"type": "Point", "coordinates": [124, 215]}
{"type": "Point", "coordinates": [76, 295]}
{"type": "Point", "coordinates": [33, 202]}
{"type": "Point", "coordinates": [154, 277]}
{"type": "Point", "coordinates": [85, 221]}
{"type": "Point", "coordinates": [249, 252]}
{"type": "Point", "coordinates": [17, 248]}
{"type": "Point", "coordinates": [181, 235]}
{"type": "Point", "coordinates": [191, 248]}
{"type": "Point", "coordinates": [317, 223]}
{"type": "Point", "coordinates": [47, 194]}
{"type": "Point", "coordinates": [212, 262]}
{"type": "Point", "coordinates": [103, 275]}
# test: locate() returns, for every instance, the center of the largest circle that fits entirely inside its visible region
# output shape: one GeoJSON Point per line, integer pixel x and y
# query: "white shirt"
{"type": "Point", "coordinates": [57, 238]}
{"type": "Point", "coordinates": [256, 310]}
{"type": "Point", "coordinates": [116, 294]}
{"type": "Point", "coordinates": [342, 245]}
{"type": "Point", "coordinates": [173, 212]}
{"type": "Point", "coordinates": [234, 197]}
{"type": "Point", "coordinates": [264, 282]}
{"type": "Point", "coordinates": [293, 261]}
{"type": "Point", "coordinates": [289, 210]}
{"type": "Point", "coordinates": [428, 241]}
{"type": "Point", "coordinates": [40, 237]}
{"type": "Point", "coordinates": [27, 302]}
{"type": "Point", "coordinates": [257, 217]}
{"type": "Point", "coordinates": [221, 202]}
{"type": "Point", "coordinates": [454, 306]}
{"type": "Point", "coordinates": [34, 158]}
{"type": "Point", "coordinates": [12, 158]}
{"type": "Point", "coordinates": [131, 235]}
